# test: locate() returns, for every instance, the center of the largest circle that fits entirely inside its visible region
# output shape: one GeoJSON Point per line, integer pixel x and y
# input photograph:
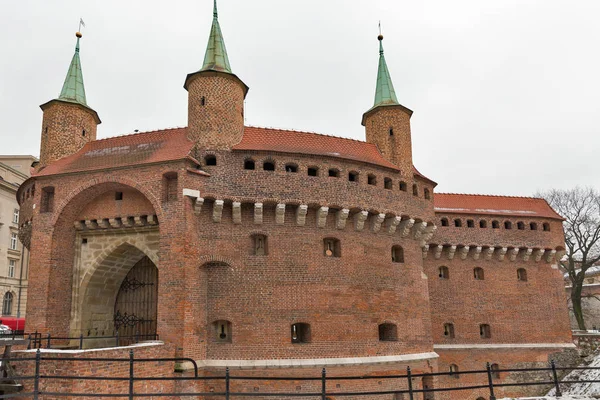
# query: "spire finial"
{"type": "Point", "coordinates": [215, 13]}
{"type": "Point", "coordinates": [73, 89]}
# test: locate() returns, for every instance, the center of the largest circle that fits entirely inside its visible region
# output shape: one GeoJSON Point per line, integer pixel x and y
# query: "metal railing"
{"type": "Point", "coordinates": [35, 383]}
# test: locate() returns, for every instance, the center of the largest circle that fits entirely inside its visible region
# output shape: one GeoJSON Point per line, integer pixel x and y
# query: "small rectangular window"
{"type": "Point", "coordinates": [118, 195]}
{"type": "Point", "coordinates": [13, 241]}
{"type": "Point", "coordinates": [16, 216]}
{"type": "Point", "coordinates": [11, 268]}
{"type": "Point", "coordinates": [47, 200]}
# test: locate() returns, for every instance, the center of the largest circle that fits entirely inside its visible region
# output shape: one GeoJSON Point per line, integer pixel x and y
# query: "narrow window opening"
{"type": "Point", "coordinates": [427, 194]}
{"type": "Point", "coordinates": [371, 180]}
{"type": "Point", "coordinates": [313, 171]}
{"type": "Point", "coordinates": [203, 101]}
{"type": "Point", "coordinates": [470, 223]}
{"type": "Point", "coordinates": [445, 222]}
{"type": "Point", "coordinates": [458, 223]}
{"type": "Point", "coordinates": [118, 196]}
{"type": "Point", "coordinates": [387, 183]}
{"type": "Point", "coordinates": [353, 176]}
{"type": "Point", "coordinates": [391, 131]}
{"type": "Point", "coordinates": [260, 245]}
{"type": "Point", "coordinates": [291, 168]}
{"type": "Point", "coordinates": [397, 254]}
{"type": "Point", "coordinates": [507, 225]}
{"type": "Point", "coordinates": [46, 130]}
{"type": "Point", "coordinates": [444, 273]}
{"type": "Point", "coordinates": [533, 226]}
{"type": "Point", "coordinates": [300, 333]}
{"type": "Point", "coordinates": [334, 173]}
{"type": "Point", "coordinates": [221, 331]}
{"type": "Point", "coordinates": [47, 199]}
{"type": "Point", "coordinates": [454, 372]}
{"type": "Point", "coordinates": [84, 241]}
{"type": "Point", "coordinates": [269, 166]}
{"type": "Point", "coordinates": [403, 186]}
{"type": "Point", "coordinates": [495, 225]}
{"type": "Point", "coordinates": [520, 226]}
{"type": "Point", "coordinates": [415, 190]}
{"type": "Point", "coordinates": [388, 332]}
{"type": "Point", "coordinates": [546, 227]}
{"type": "Point", "coordinates": [522, 274]}
{"type": "Point", "coordinates": [83, 132]}
{"type": "Point", "coordinates": [495, 371]}
{"type": "Point", "coordinates": [485, 331]}
{"type": "Point", "coordinates": [249, 164]}
{"type": "Point", "coordinates": [483, 223]}
{"type": "Point", "coordinates": [332, 247]}
{"type": "Point", "coordinates": [478, 274]}
{"type": "Point", "coordinates": [210, 160]}
{"type": "Point", "coordinates": [449, 330]}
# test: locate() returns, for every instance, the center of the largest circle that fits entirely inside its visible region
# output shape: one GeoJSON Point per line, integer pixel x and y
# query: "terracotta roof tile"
{"type": "Point", "coordinates": [493, 205]}
{"type": "Point", "coordinates": [136, 149]}
{"type": "Point", "coordinates": [284, 141]}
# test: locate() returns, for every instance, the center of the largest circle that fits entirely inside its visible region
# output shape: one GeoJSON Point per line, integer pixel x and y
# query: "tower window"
{"type": "Point", "coordinates": [313, 171]}
{"type": "Point", "coordinates": [210, 160]}
{"type": "Point", "coordinates": [495, 225]}
{"type": "Point", "coordinates": [533, 226]}
{"type": "Point", "coordinates": [46, 130]}
{"type": "Point", "coordinates": [291, 168]}
{"type": "Point", "coordinates": [334, 173]}
{"type": "Point", "coordinates": [457, 223]}
{"type": "Point", "coordinates": [478, 274]}
{"type": "Point", "coordinates": [391, 131]}
{"type": "Point", "coordinates": [445, 222]}
{"type": "Point", "coordinates": [371, 180]}
{"type": "Point", "coordinates": [522, 274]}
{"type": "Point", "coordinates": [454, 371]}
{"type": "Point", "coordinates": [470, 223]}
{"type": "Point", "coordinates": [507, 225]}
{"type": "Point", "coordinates": [483, 223]}
{"type": "Point", "coordinates": [259, 245]}
{"type": "Point", "coordinates": [269, 166]}
{"type": "Point", "coordinates": [397, 254]}
{"type": "Point", "coordinates": [170, 186]}
{"type": "Point", "coordinates": [546, 227]}
{"type": "Point", "coordinates": [485, 331]}
{"type": "Point", "coordinates": [388, 332]}
{"type": "Point", "coordinates": [83, 132]}
{"type": "Point", "coordinates": [495, 371]}
{"type": "Point", "coordinates": [449, 330]}
{"type": "Point", "coordinates": [387, 183]}
{"type": "Point", "coordinates": [249, 164]}
{"type": "Point", "coordinates": [300, 333]}
{"type": "Point", "coordinates": [203, 101]}
{"type": "Point", "coordinates": [47, 199]}
{"type": "Point", "coordinates": [426, 194]}
{"type": "Point", "coordinates": [222, 331]}
{"type": "Point", "coordinates": [444, 273]}
{"type": "Point", "coordinates": [118, 196]}
{"type": "Point", "coordinates": [332, 247]}
{"type": "Point", "coordinates": [353, 176]}
{"type": "Point", "coordinates": [415, 190]}
{"type": "Point", "coordinates": [520, 225]}
{"type": "Point", "coordinates": [403, 186]}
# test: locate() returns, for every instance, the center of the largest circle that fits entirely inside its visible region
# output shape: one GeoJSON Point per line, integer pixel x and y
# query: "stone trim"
{"type": "Point", "coordinates": [83, 351]}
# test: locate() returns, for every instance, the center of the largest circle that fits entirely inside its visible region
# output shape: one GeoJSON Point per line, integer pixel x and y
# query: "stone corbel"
{"type": "Point", "coordinates": [429, 232]}
{"type": "Point", "coordinates": [464, 252]}
{"type": "Point", "coordinates": [550, 255]}
{"type": "Point", "coordinates": [438, 251]}
{"type": "Point", "coordinates": [359, 220]}
{"type": "Point", "coordinates": [451, 251]}
{"type": "Point", "coordinates": [512, 255]}
{"type": "Point", "coordinates": [405, 226]}
{"type": "Point", "coordinates": [301, 214]}
{"type": "Point", "coordinates": [218, 210]}
{"type": "Point", "coordinates": [418, 230]}
{"type": "Point", "coordinates": [341, 218]}
{"type": "Point", "coordinates": [538, 254]}
{"type": "Point", "coordinates": [501, 253]}
{"type": "Point", "coordinates": [280, 214]}
{"type": "Point", "coordinates": [322, 217]}
{"type": "Point", "coordinates": [139, 221]}
{"type": "Point", "coordinates": [115, 222]}
{"type": "Point", "coordinates": [392, 224]}
{"type": "Point", "coordinates": [236, 212]}
{"type": "Point", "coordinates": [103, 223]}
{"type": "Point", "coordinates": [527, 253]}
{"type": "Point", "coordinates": [128, 222]}
{"type": "Point", "coordinates": [477, 253]}
{"type": "Point", "coordinates": [425, 250]}
{"type": "Point", "coordinates": [376, 222]}
{"type": "Point", "coordinates": [79, 225]}
{"type": "Point", "coordinates": [91, 224]}
{"type": "Point", "coordinates": [258, 213]}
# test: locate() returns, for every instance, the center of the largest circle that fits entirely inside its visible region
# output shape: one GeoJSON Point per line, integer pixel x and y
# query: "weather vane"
{"type": "Point", "coordinates": [81, 23]}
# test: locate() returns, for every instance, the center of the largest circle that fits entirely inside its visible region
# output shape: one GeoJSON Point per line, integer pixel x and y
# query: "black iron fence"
{"type": "Point", "coordinates": [33, 385]}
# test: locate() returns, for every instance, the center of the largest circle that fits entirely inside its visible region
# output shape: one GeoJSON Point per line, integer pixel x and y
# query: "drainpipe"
{"type": "Point", "coordinates": [21, 285]}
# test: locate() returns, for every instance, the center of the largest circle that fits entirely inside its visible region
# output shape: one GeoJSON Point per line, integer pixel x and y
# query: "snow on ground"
{"type": "Point", "coordinates": [582, 388]}
{"type": "Point", "coordinates": [565, 397]}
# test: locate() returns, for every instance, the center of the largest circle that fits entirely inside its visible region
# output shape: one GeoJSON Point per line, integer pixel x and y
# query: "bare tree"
{"type": "Point", "coordinates": [581, 209]}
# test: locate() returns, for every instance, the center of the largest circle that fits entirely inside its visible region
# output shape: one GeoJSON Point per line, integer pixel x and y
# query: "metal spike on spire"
{"type": "Point", "coordinates": [385, 93]}
{"type": "Point", "coordinates": [216, 58]}
{"type": "Point", "coordinates": [73, 89]}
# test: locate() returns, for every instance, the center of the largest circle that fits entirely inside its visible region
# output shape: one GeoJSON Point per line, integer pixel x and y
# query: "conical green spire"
{"type": "Point", "coordinates": [73, 89]}
{"type": "Point", "coordinates": [384, 94]}
{"type": "Point", "coordinates": [216, 58]}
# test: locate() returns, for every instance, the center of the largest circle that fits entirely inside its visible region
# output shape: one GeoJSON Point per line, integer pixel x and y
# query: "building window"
{"type": "Point", "coordinates": [170, 186]}
{"type": "Point", "coordinates": [210, 160]}
{"type": "Point", "coordinates": [415, 190]}
{"type": "Point", "coordinates": [478, 274]}
{"type": "Point", "coordinates": [403, 186]}
{"type": "Point", "coordinates": [520, 226]}
{"type": "Point", "coordinates": [371, 180]}
{"type": "Point", "coordinates": [397, 254]}
{"type": "Point", "coordinates": [485, 331]}
{"type": "Point", "coordinates": [15, 219]}
{"type": "Point", "coordinates": [495, 371]}
{"type": "Point", "coordinates": [13, 241]}
{"type": "Point", "coordinates": [507, 225]}
{"type": "Point", "coordinates": [495, 225]}
{"type": "Point", "coordinates": [300, 333]}
{"type": "Point", "coordinates": [426, 194]}
{"type": "Point", "coordinates": [334, 173]}
{"type": "Point", "coordinates": [11, 268]}
{"type": "Point", "coordinates": [259, 245]}
{"type": "Point", "coordinates": [7, 304]}
{"type": "Point", "coordinates": [546, 227]}
{"type": "Point", "coordinates": [332, 247]}
{"type": "Point", "coordinates": [454, 371]}
{"type": "Point", "coordinates": [222, 331]}
{"type": "Point", "coordinates": [470, 223]}
{"type": "Point", "coordinates": [522, 274]}
{"type": "Point", "coordinates": [445, 222]}
{"type": "Point", "coordinates": [391, 131]}
{"type": "Point", "coordinates": [388, 332]}
{"type": "Point", "coordinates": [444, 273]}
{"type": "Point", "coordinates": [483, 223]}
{"type": "Point", "coordinates": [249, 164]}
{"type": "Point", "coordinates": [203, 101]}
{"type": "Point", "coordinates": [353, 176]}
{"type": "Point", "coordinates": [533, 226]}
{"type": "Point", "coordinates": [269, 166]}
{"type": "Point", "coordinates": [47, 199]}
{"type": "Point", "coordinates": [313, 171]}
{"type": "Point", "coordinates": [387, 183]}
{"type": "Point", "coordinates": [449, 330]}
{"type": "Point", "coordinates": [291, 168]}
{"type": "Point", "coordinates": [118, 196]}
{"type": "Point", "coordinates": [457, 223]}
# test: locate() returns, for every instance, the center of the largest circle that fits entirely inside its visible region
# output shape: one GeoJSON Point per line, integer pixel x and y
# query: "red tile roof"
{"type": "Point", "coordinates": [136, 149]}
{"type": "Point", "coordinates": [265, 139]}
{"type": "Point", "coordinates": [493, 205]}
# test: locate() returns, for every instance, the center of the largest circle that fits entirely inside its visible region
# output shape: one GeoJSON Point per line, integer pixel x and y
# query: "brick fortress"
{"type": "Point", "coordinates": [283, 252]}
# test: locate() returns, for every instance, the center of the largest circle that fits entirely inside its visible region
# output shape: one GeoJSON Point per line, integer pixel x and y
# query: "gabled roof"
{"type": "Point", "coordinates": [453, 203]}
{"type": "Point", "coordinates": [284, 141]}
{"type": "Point", "coordinates": [121, 151]}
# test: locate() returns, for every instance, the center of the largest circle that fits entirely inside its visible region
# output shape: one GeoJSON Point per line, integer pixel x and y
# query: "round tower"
{"type": "Point", "coordinates": [68, 122]}
{"type": "Point", "coordinates": [215, 97]}
{"type": "Point", "coordinates": [387, 123]}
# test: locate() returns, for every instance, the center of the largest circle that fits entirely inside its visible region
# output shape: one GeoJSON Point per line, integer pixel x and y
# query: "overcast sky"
{"type": "Point", "coordinates": [505, 94]}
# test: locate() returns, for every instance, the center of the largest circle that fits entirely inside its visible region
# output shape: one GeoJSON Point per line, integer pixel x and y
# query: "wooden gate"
{"type": "Point", "coordinates": [135, 307]}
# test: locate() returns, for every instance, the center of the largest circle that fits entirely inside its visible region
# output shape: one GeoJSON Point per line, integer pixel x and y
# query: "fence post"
{"type": "Point", "coordinates": [131, 374]}
{"type": "Point", "coordinates": [410, 388]}
{"type": "Point", "coordinates": [29, 341]}
{"type": "Point", "coordinates": [48, 346]}
{"type": "Point", "coordinates": [227, 383]}
{"type": "Point", "coordinates": [81, 341]}
{"type": "Point", "coordinates": [117, 338]}
{"type": "Point", "coordinates": [36, 382]}
{"type": "Point", "coordinates": [555, 377]}
{"type": "Point", "coordinates": [323, 384]}
{"type": "Point", "coordinates": [490, 381]}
